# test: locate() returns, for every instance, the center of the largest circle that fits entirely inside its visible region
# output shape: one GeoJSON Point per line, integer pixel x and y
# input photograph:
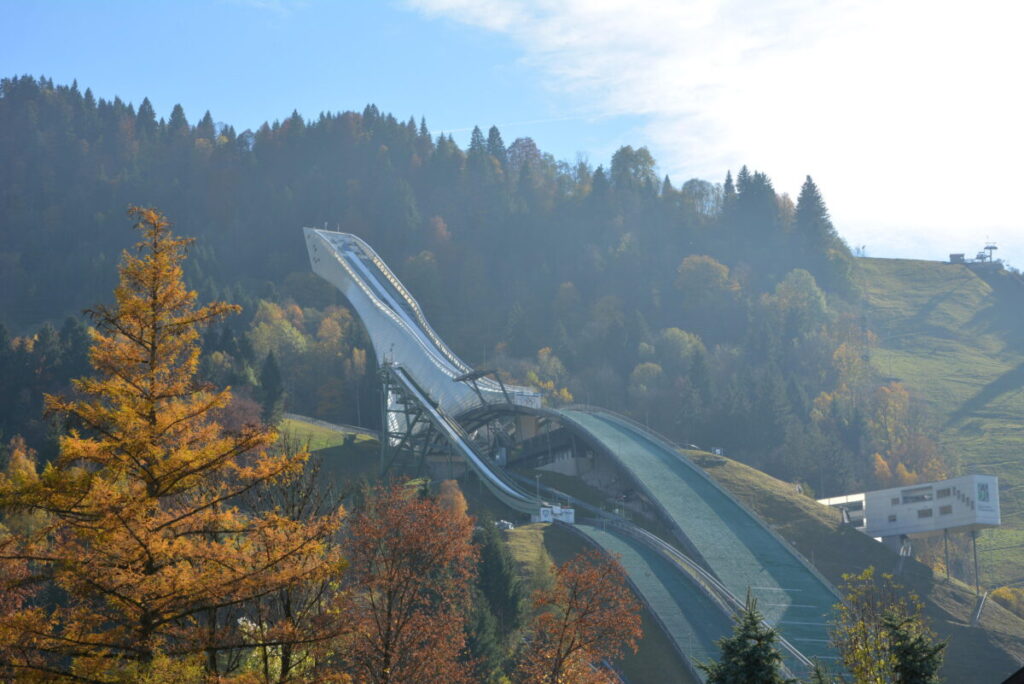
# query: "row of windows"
{"type": "Point", "coordinates": [926, 512]}
{"type": "Point", "coordinates": [925, 494]}
{"type": "Point", "coordinates": [916, 495]}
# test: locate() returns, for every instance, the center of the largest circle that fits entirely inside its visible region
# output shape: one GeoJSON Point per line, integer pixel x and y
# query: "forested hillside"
{"type": "Point", "coordinates": [724, 315]}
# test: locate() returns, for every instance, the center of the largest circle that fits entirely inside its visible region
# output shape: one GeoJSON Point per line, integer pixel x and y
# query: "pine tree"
{"type": "Point", "coordinates": [483, 641]}
{"type": "Point", "coordinates": [750, 654]}
{"type": "Point", "coordinates": [812, 222]}
{"type": "Point", "coordinates": [820, 674]}
{"type": "Point", "coordinates": [729, 188]}
{"type": "Point", "coordinates": [916, 658]}
{"type": "Point", "coordinates": [145, 540]}
{"type": "Point", "coordinates": [476, 141]}
{"type": "Point", "coordinates": [666, 187]}
{"type": "Point", "coordinates": [271, 390]}
{"type": "Point", "coordinates": [74, 342]}
{"type": "Point", "coordinates": [178, 124]}
{"type": "Point", "coordinates": [205, 128]}
{"type": "Point", "coordinates": [743, 180]}
{"type": "Point", "coordinates": [145, 120]}
{"type": "Point", "coordinates": [496, 146]}
{"type": "Point", "coordinates": [498, 580]}
{"type": "Point", "coordinates": [600, 187]}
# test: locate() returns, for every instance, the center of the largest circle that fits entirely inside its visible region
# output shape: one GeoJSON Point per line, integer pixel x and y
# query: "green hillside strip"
{"type": "Point", "coordinates": [988, 654]}
{"type": "Point", "coordinates": [954, 338]}
{"type": "Point", "coordinates": [911, 298]}
{"type": "Point", "coordinates": [345, 458]}
{"type": "Point", "coordinates": [317, 436]}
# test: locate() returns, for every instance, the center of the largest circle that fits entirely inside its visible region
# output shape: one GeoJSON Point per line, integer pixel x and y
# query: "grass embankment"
{"type": "Point", "coordinates": [346, 458]}
{"type": "Point", "coordinates": [319, 436]}
{"type": "Point", "coordinates": [974, 655]}
{"type": "Point", "coordinates": [955, 338]}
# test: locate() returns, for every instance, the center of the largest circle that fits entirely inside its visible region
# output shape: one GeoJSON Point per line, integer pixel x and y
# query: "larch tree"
{"type": "Point", "coordinates": [148, 557]}
{"type": "Point", "coordinates": [16, 585]}
{"type": "Point", "coordinates": [588, 616]}
{"type": "Point", "coordinates": [412, 563]}
{"type": "Point", "coordinates": [295, 626]}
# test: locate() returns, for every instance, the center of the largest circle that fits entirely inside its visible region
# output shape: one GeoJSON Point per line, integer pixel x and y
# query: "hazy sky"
{"type": "Point", "coordinates": [908, 114]}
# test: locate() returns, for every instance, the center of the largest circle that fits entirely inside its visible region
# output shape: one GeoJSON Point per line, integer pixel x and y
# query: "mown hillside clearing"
{"type": "Point", "coordinates": [955, 337]}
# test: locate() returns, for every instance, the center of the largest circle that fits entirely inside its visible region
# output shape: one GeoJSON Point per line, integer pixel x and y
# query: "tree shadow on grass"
{"type": "Point", "coordinates": [1007, 382]}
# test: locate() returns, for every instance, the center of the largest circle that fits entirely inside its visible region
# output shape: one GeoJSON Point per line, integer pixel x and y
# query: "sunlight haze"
{"type": "Point", "coordinates": [906, 114]}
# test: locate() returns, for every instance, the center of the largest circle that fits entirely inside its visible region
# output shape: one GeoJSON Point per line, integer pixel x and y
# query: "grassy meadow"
{"type": "Point", "coordinates": [955, 338]}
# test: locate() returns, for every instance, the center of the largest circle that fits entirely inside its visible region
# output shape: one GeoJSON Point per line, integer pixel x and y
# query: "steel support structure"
{"type": "Point", "coordinates": [407, 427]}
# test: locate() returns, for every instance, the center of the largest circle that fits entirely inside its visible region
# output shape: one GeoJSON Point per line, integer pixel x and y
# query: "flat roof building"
{"type": "Point", "coordinates": [966, 503]}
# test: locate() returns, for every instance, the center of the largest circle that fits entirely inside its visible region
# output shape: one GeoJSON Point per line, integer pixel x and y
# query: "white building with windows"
{"type": "Point", "coordinates": [967, 503]}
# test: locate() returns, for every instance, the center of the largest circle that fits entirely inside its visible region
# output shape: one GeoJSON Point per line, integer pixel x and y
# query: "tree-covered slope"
{"type": "Point", "coordinates": [724, 315]}
{"type": "Point", "coordinates": [955, 336]}
{"type": "Point", "coordinates": [713, 311]}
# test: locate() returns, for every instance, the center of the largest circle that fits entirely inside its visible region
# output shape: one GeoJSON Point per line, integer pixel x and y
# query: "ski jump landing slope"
{"type": "Point", "coordinates": [736, 546]}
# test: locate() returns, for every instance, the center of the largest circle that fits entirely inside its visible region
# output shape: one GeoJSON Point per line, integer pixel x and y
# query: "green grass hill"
{"type": "Point", "coordinates": [988, 653]}
{"type": "Point", "coordinates": [955, 337]}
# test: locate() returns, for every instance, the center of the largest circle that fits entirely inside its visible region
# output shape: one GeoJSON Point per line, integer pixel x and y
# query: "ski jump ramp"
{"type": "Point", "coordinates": [398, 330]}
{"type": "Point", "coordinates": [735, 546]}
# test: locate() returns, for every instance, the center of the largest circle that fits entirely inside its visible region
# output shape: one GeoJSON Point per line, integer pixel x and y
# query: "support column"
{"type": "Point", "coordinates": [945, 545]}
{"type": "Point", "coordinates": [977, 580]}
{"type": "Point", "coordinates": [385, 428]}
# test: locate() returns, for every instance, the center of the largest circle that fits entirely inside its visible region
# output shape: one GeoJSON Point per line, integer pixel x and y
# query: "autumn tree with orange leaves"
{"type": "Point", "coordinates": [16, 585]}
{"type": "Point", "coordinates": [146, 556]}
{"type": "Point", "coordinates": [412, 563]}
{"type": "Point", "coordinates": [588, 616]}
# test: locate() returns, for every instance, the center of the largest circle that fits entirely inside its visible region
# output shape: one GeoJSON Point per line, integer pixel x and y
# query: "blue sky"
{"type": "Point", "coordinates": [905, 113]}
{"type": "Point", "coordinates": [250, 62]}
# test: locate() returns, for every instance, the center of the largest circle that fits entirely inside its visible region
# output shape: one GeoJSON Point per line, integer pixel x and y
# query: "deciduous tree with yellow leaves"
{"type": "Point", "coordinates": [148, 557]}
{"type": "Point", "coordinates": [589, 615]}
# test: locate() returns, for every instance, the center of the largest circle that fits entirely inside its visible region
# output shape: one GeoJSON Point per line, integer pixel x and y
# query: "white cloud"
{"type": "Point", "coordinates": [908, 113]}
